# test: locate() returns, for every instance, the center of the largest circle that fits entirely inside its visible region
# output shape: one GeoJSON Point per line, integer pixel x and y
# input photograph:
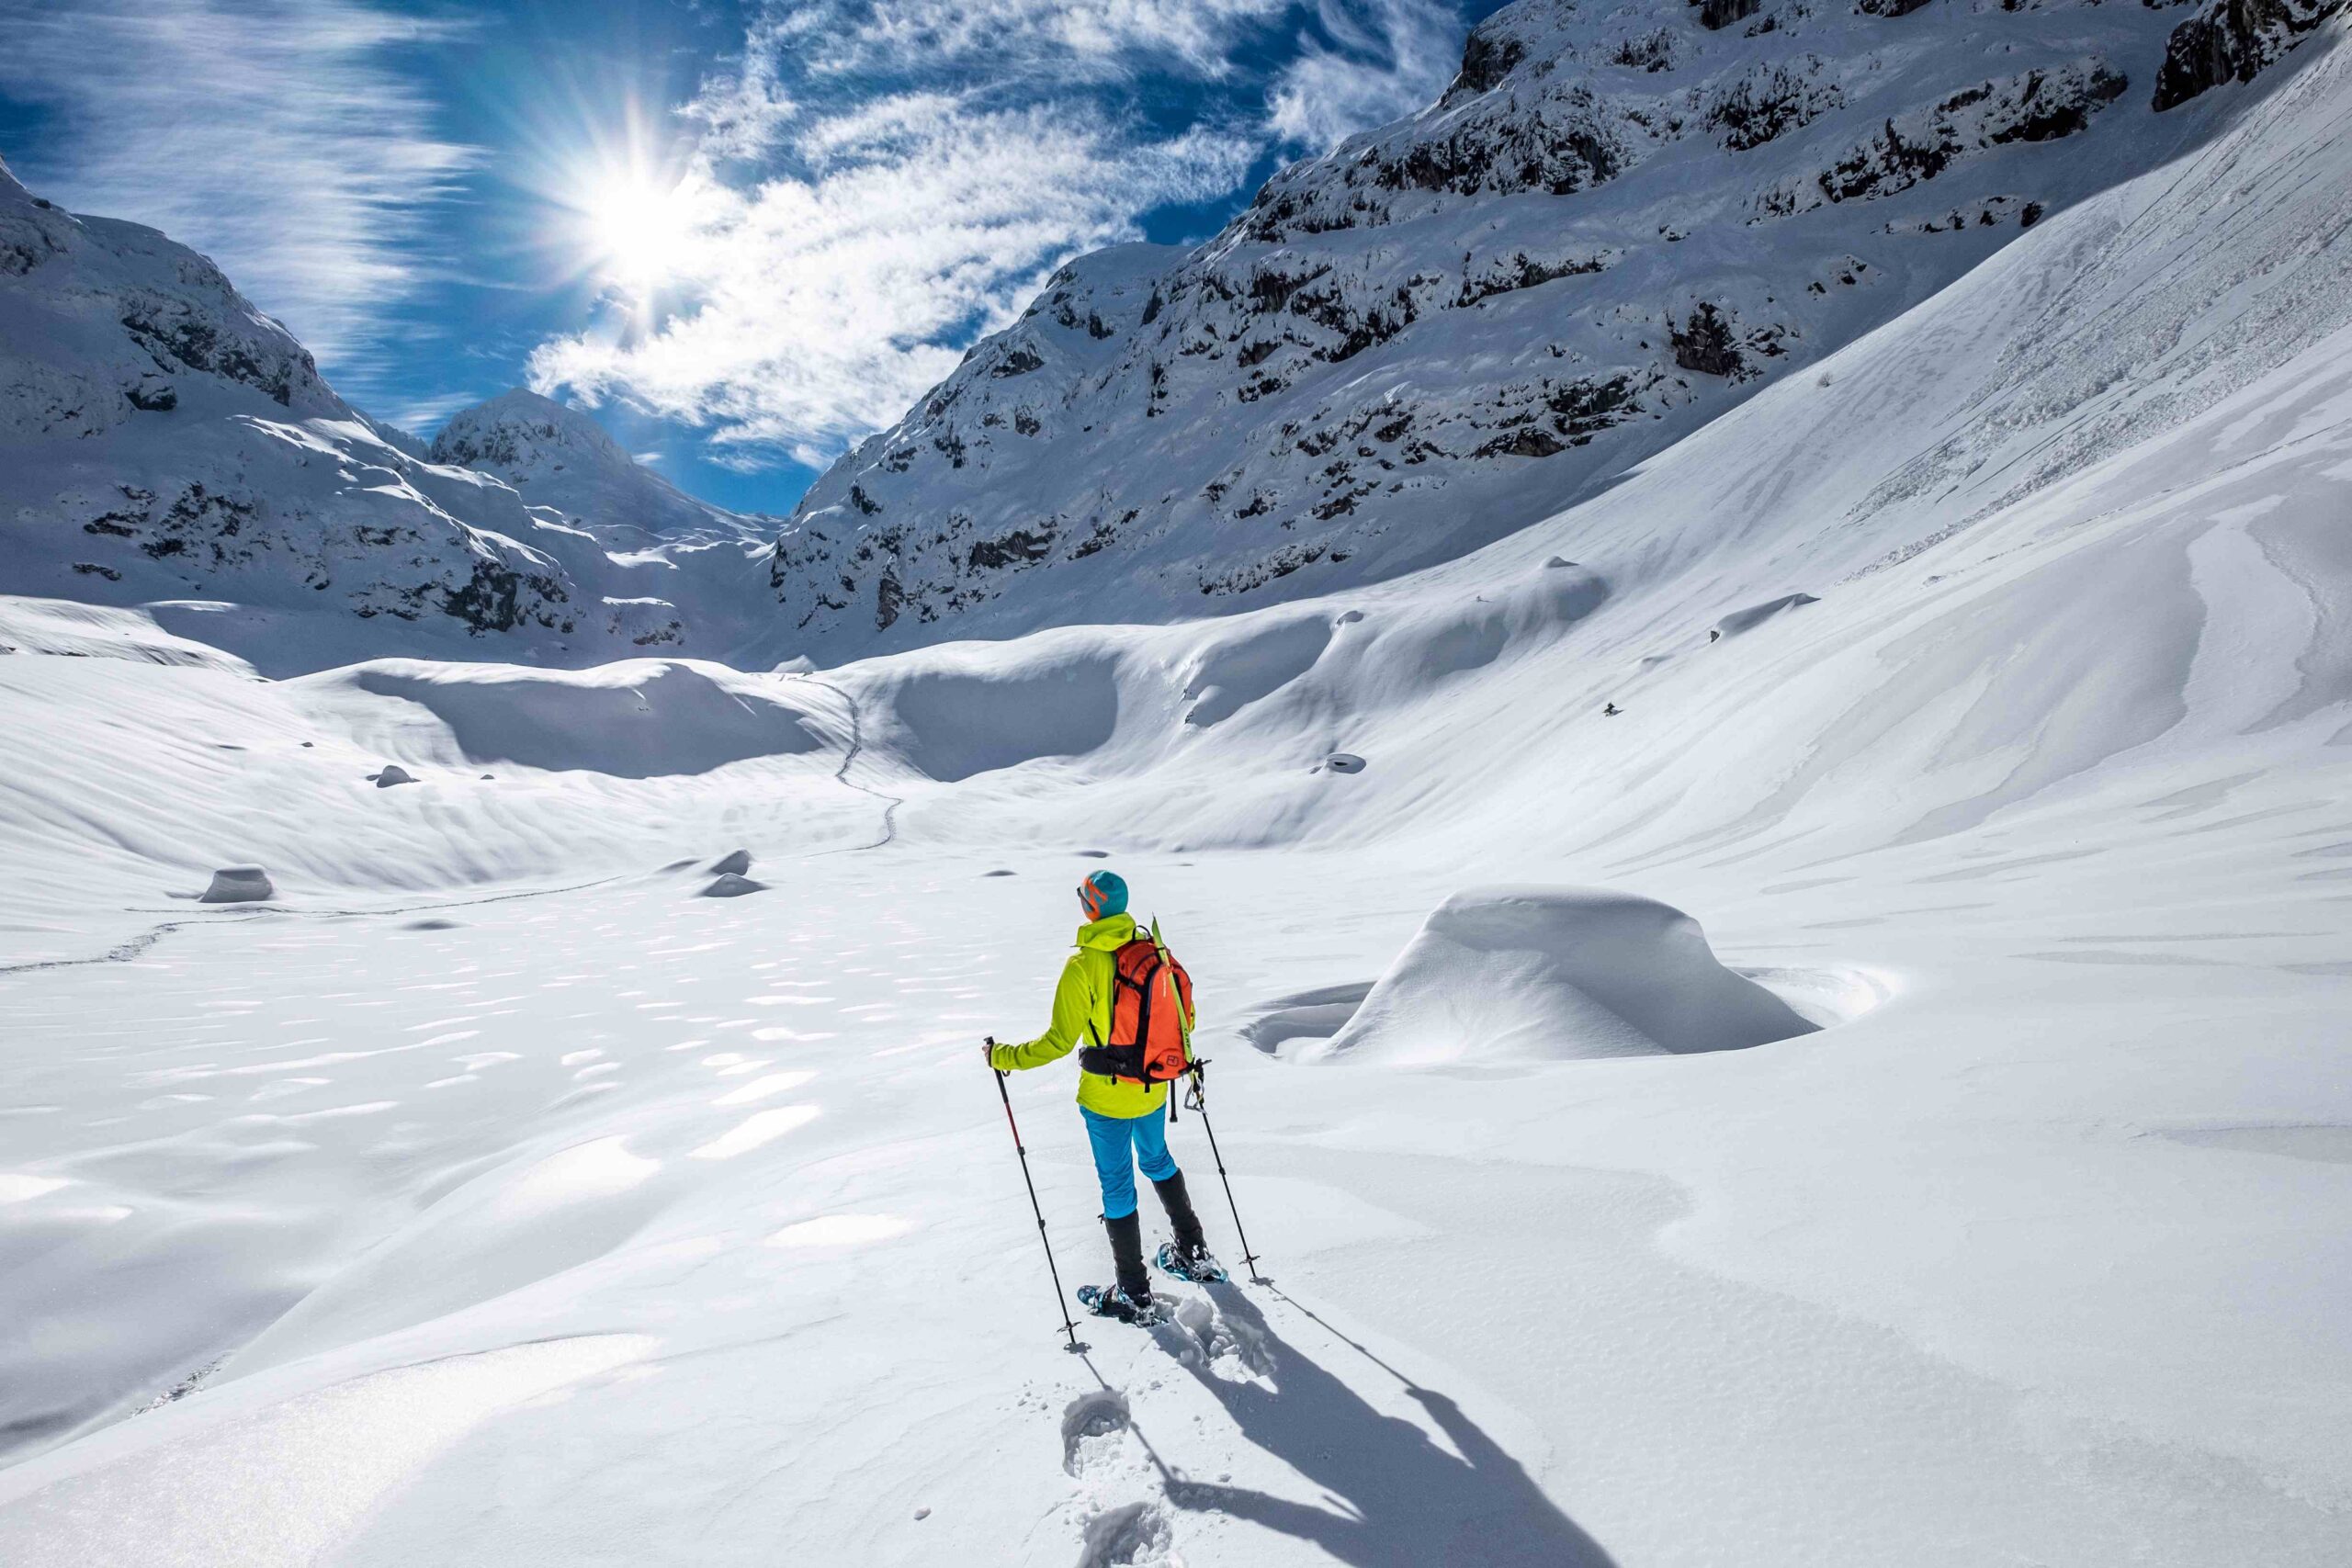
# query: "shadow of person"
{"type": "Point", "coordinates": [1400, 1500]}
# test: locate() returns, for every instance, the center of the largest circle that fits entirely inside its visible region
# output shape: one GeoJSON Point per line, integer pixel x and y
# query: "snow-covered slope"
{"type": "Point", "coordinates": [162, 441]}
{"type": "Point", "coordinates": [1985, 694]}
{"type": "Point", "coordinates": [1616, 223]}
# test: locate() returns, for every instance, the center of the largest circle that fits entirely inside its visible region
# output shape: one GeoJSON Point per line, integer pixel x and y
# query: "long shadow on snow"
{"type": "Point", "coordinates": [1410, 1504]}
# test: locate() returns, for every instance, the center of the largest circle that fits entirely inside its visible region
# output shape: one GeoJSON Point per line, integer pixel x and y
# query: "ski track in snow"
{"type": "Point", "coordinates": [849, 758]}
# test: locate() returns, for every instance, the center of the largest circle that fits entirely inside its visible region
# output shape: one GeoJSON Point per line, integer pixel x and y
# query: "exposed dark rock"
{"type": "Point", "coordinates": [170, 329]}
{"type": "Point", "coordinates": [1523, 271]}
{"type": "Point", "coordinates": [1717, 15]}
{"type": "Point", "coordinates": [1527, 441]}
{"type": "Point", "coordinates": [492, 599]}
{"type": "Point", "coordinates": [1769, 105]}
{"type": "Point", "coordinates": [1020, 547]}
{"type": "Point", "coordinates": [1652, 51]}
{"type": "Point", "coordinates": [2046, 112]}
{"type": "Point", "coordinates": [1581, 410]}
{"type": "Point", "coordinates": [2233, 40]}
{"type": "Point", "coordinates": [1704, 343]}
{"type": "Point", "coordinates": [1485, 60]}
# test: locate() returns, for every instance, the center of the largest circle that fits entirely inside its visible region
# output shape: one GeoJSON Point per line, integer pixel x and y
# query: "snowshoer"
{"type": "Point", "coordinates": [1104, 1003]}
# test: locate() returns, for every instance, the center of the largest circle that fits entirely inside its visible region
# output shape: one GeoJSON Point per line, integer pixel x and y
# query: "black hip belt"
{"type": "Point", "coordinates": [1114, 1062]}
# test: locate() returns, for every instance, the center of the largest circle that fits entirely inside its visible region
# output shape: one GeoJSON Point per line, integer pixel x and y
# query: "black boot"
{"type": "Point", "coordinates": [1126, 1257]}
{"type": "Point", "coordinates": [1190, 1242]}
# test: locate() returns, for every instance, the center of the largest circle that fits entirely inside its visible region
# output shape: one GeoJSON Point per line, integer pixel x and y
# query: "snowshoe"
{"type": "Point", "coordinates": [1200, 1267]}
{"type": "Point", "coordinates": [1109, 1300]}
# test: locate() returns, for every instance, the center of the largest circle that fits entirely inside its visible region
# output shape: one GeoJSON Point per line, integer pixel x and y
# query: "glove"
{"type": "Point", "coordinates": [987, 1054]}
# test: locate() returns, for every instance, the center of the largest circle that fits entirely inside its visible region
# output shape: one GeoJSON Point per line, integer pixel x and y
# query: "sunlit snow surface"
{"type": "Point", "coordinates": [2035, 1250]}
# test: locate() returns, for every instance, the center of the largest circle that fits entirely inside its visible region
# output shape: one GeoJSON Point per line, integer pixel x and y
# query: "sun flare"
{"type": "Point", "coordinates": [641, 231]}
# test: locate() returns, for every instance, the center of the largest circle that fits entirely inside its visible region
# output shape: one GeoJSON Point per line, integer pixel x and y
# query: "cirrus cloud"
{"type": "Point", "coordinates": [280, 137]}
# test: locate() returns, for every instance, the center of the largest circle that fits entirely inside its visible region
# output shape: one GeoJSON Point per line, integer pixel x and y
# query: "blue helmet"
{"type": "Point", "coordinates": [1102, 893]}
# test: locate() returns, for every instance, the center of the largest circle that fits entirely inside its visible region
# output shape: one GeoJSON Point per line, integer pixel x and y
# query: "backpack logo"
{"type": "Point", "coordinates": [1151, 1015]}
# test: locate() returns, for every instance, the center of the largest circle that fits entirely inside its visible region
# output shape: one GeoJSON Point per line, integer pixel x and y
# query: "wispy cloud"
{"type": "Point", "coordinates": [1086, 39]}
{"type": "Point", "coordinates": [421, 416]}
{"type": "Point", "coordinates": [1379, 65]}
{"type": "Point", "coordinates": [279, 137]}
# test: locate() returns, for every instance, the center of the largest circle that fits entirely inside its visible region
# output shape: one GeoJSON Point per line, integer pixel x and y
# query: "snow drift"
{"type": "Point", "coordinates": [1557, 974]}
{"type": "Point", "coordinates": [641, 718]}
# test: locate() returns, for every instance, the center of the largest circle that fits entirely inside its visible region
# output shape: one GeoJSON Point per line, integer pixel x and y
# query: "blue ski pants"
{"type": "Point", "coordinates": [1121, 1143]}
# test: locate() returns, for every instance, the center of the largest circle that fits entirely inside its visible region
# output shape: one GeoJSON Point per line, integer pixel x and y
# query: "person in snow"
{"type": "Point", "coordinates": [1124, 1115]}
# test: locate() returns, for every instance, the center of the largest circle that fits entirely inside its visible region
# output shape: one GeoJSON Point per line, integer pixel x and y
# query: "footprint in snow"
{"type": "Point", "coordinates": [1227, 1349]}
{"type": "Point", "coordinates": [1133, 1535]}
{"type": "Point", "coordinates": [1092, 1427]}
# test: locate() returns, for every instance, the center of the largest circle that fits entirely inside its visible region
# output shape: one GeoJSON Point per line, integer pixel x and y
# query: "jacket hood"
{"type": "Point", "coordinates": [1109, 933]}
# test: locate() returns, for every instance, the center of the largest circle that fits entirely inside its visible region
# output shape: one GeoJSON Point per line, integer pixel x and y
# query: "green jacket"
{"type": "Point", "coordinates": [1080, 999]}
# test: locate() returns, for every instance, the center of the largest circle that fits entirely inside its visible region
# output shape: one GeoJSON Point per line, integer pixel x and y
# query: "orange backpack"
{"type": "Point", "coordinates": [1151, 1015]}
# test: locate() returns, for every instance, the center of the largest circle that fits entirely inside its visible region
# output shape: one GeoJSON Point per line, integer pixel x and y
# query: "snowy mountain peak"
{"type": "Point", "coordinates": [520, 435]}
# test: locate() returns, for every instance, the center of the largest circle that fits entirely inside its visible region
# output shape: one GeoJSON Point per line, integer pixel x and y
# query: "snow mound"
{"type": "Point", "coordinates": [1557, 974]}
{"type": "Point", "coordinates": [951, 718]}
{"type": "Point", "coordinates": [736, 862]}
{"type": "Point", "coordinates": [64, 629]}
{"type": "Point", "coordinates": [733, 884]}
{"type": "Point", "coordinates": [1238, 671]}
{"type": "Point", "coordinates": [238, 885]}
{"type": "Point", "coordinates": [1755, 616]}
{"type": "Point", "coordinates": [638, 718]}
{"type": "Point", "coordinates": [510, 1227]}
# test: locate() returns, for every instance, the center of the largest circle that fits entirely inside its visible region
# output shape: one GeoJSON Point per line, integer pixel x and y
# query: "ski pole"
{"type": "Point", "coordinates": [1200, 1109]}
{"type": "Point", "coordinates": [1068, 1327]}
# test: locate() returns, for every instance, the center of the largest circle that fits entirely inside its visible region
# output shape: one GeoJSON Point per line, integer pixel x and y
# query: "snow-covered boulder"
{"type": "Point", "coordinates": [393, 774]}
{"type": "Point", "coordinates": [1557, 974]}
{"type": "Point", "coordinates": [733, 884]}
{"type": "Point", "coordinates": [239, 885]}
{"type": "Point", "coordinates": [736, 863]}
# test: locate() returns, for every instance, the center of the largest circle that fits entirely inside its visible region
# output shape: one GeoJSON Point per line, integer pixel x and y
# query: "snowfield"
{"type": "Point", "coordinates": [1880, 1096]}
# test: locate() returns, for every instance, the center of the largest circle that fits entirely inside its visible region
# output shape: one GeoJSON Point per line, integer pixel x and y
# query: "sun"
{"type": "Point", "coordinates": [640, 229]}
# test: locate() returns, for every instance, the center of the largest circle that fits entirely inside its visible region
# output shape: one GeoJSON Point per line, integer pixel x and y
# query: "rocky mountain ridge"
{"type": "Point", "coordinates": [1615, 224]}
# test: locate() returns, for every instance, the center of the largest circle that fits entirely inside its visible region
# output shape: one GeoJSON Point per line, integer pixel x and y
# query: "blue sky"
{"type": "Point", "coordinates": [744, 233]}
